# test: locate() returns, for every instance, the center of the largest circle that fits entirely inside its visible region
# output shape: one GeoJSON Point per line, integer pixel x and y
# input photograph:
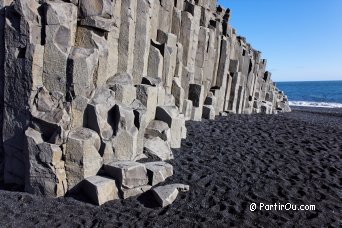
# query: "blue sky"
{"type": "Point", "coordinates": [301, 39]}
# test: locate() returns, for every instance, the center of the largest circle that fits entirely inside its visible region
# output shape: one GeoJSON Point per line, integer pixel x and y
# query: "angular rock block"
{"type": "Point", "coordinates": [143, 36]}
{"type": "Point", "coordinates": [125, 141]}
{"type": "Point", "coordinates": [155, 82]}
{"type": "Point", "coordinates": [45, 173]}
{"type": "Point", "coordinates": [187, 109]}
{"type": "Point", "coordinates": [52, 124]}
{"type": "Point", "coordinates": [157, 128]}
{"type": "Point", "coordinates": [208, 112]}
{"type": "Point", "coordinates": [224, 62]}
{"type": "Point", "coordinates": [81, 68]}
{"type": "Point", "coordinates": [97, 22]}
{"type": "Point", "coordinates": [127, 174]}
{"type": "Point", "coordinates": [79, 106]}
{"type": "Point", "coordinates": [100, 189]}
{"type": "Point", "coordinates": [126, 193]}
{"type": "Point", "coordinates": [178, 92]}
{"type": "Point", "coordinates": [89, 38]}
{"type": "Point", "coordinates": [99, 113]}
{"type": "Point", "coordinates": [99, 120]}
{"type": "Point", "coordinates": [196, 94]}
{"type": "Point", "coordinates": [122, 85]}
{"type": "Point", "coordinates": [159, 148]}
{"type": "Point", "coordinates": [155, 61]}
{"type": "Point", "coordinates": [148, 96]}
{"type": "Point", "coordinates": [161, 95]}
{"type": "Point", "coordinates": [184, 132]}
{"type": "Point", "coordinates": [170, 57]}
{"type": "Point", "coordinates": [169, 100]}
{"type": "Point", "coordinates": [170, 115]}
{"type": "Point", "coordinates": [196, 113]}
{"type": "Point", "coordinates": [158, 172]}
{"type": "Point", "coordinates": [141, 120]}
{"type": "Point", "coordinates": [103, 8]}
{"type": "Point", "coordinates": [107, 152]}
{"type": "Point", "coordinates": [127, 35]}
{"type": "Point", "coordinates": [166, 195]}
{"type": "Point", "coordinates": [113, 47]}
{"type": "Point", "coordinates": [82, 159]}
{"type": "Point", "coordinates": [61, 22]}
{"type": "Point", "coordinates": [210, 100]}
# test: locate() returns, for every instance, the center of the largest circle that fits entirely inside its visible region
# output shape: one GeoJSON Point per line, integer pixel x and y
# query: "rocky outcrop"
{"type": "Point", "coordinates": [88, 88]}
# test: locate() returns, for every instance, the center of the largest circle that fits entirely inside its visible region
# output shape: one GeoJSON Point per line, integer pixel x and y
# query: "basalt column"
{"type": "Point", "coordinates": [91, 89]}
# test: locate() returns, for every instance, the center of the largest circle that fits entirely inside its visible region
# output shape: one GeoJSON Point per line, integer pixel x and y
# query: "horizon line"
{"type": "Point", "coordinates": [331, 80]}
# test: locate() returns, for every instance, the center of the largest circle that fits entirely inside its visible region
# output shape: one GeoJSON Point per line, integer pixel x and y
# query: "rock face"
{"type": "Point", "coordinates": [88, 87]}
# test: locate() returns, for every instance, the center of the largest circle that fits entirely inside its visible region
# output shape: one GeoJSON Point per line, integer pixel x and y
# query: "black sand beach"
{"type": "Point", "coordinates": [229, 164]}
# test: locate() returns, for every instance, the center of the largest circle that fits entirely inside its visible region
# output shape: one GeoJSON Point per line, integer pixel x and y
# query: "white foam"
{"type": "Point", "coordinates": [315, 104]}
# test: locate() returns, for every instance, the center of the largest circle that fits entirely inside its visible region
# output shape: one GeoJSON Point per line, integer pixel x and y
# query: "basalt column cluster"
{"type": "Point", "coordinates": [89, 88]}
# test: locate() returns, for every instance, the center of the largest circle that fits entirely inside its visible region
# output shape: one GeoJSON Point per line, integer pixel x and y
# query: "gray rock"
{"type": "Point", "coordinates": [158, 172]}
{"type": "Point", "coordinates": [98, 22]}
{"type": "Point", "coordinates": [187, 109]}
{"type": "Point", "coordinates": [82, 63]}
{"type": "Point", "coordinates": [103, 8]}
{"type": "Point", "coordinates": [99, 113]}
{"type": "Point", "coordinates": [141, 121]}
{"type": "Point", "coordinates": [166, 195]}
{"type": "Point", "coordinates": [147, 80]}
{"type": "Point", "coordinates": [82, 159]}
{"type": "Point", "coordinates": [21, 64]}
{"type": "Point", "coordinates": [120, 78]}
{"type": "Point", "coordinates": [126, 193]}
{"type": "Point", "coordinates": [125, 94]}
{"type": "Point", "coordinates": [142, 40]}
{"type": "Point", "coordinates": [148, 96]}
{"type": "Point", "coordinates": [155, 61]}
{"type": "Point", "coordinates": [196, 94]}
{"type": "Point", "coordinates": [125, 133]}
{"type": "Point", "coordinates": [157, 128]}
{"type": "Point", "coordinates": [90, 38]}
{"type": "Point", "coordinates": [127, 36]}
{"type": "Point", "coordinates": [51, 123]}
{"type": "Point", "coordinates": [210, 100]}
{"type": "Point", "coordinates": [208, 112]}
{"type": "Point", "coordinates": [170, 115]}
{"type": "Point", "coordinates": [107, 152]}
{"type": "Point", "coordinates": [61, 22]}
{"type": "Point", "coordinates": [79, 106]}
{"type": "Point", "coordinates": [169, 100]}
{"type": "Point", "coordinates": [178, 93]}
{"type": "Point", "coordinates": [100, 189]}
{"type": "Point", "coordinates": [127, 174]}
{"type": "Point", "coordinates": [159, 148]}
{"type": "Point", "coordinates": [45, 173]}
{"type": "Point", "coordinates": [170, 57]}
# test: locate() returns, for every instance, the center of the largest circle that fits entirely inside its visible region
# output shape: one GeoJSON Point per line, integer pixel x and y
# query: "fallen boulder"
{"type": "Point", "coordinates": [100, 189]}
{"type": "Point", "coordinates": [158, 172]}
{"type": "Point", "coordinates": [128, 174]}
{"type": "Point", "coordinates": [166, 195]}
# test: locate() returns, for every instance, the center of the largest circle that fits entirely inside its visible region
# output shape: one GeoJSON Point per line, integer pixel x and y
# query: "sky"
{"type": "Point", "coordinates": [301, 39]}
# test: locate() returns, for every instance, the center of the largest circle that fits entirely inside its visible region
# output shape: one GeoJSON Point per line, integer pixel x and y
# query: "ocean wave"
{"type": "Point", "coordinates": [315, 104]}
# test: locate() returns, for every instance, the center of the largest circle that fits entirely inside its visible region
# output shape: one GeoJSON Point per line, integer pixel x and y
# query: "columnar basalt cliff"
{"type": "Point", "coordinates": [91, 87]}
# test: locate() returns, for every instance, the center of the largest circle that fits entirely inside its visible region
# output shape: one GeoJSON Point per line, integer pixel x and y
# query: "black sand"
{"type": "Point", "coordinates": [229, 164]}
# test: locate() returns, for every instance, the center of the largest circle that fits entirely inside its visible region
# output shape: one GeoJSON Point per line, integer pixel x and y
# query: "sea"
{"type": "Point", "coordinates": [325, 94]}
